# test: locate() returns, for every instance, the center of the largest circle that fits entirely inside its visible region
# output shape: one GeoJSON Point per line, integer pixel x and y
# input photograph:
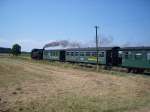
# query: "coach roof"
{"type": "Point", "coordinates": [136, 48]}
{"type": "Point", "coordinates": [91, 49]}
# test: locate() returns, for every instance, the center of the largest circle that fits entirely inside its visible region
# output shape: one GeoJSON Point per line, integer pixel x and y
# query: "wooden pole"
{"type": "Point", "coordinates": [97, 65]}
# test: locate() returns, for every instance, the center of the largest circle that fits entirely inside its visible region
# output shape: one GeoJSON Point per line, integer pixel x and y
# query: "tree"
{"type": "Point", "coordinates": [16, 49]}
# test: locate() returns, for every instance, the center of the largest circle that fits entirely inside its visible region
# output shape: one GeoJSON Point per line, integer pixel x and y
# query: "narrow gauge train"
{"type": "Point", "coordinates": [135, 59]}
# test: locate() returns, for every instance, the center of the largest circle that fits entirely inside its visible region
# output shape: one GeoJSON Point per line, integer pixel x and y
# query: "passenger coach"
{"type": "Point", "coordinates": [106, 55]}
{"type": "Point", "coordinates": [58, 55]}
{"type": "Point", "coordinates": [136, 59]}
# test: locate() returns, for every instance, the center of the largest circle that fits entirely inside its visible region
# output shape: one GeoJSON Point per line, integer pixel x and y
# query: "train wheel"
{"type": "Point", "coordinates": [129, 70]}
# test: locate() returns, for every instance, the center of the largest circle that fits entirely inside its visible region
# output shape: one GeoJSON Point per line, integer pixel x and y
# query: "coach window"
{"type": "Point", "coordinates": [81, 53]}
{"type": "Point", "coordinates": [120, 53]}
{"type": "Point", "coordinates": [67, 53]}
{"type": "Point", "coordinates": [57, 53]}
{"type": "Point", "coordinates": [53, 53]}
{"type": "Point", "coordinates": [101, 54]}
{"type": "Point", "coordinates": [138, 56]}
{"type": "Point", "coordinates": [93, 53]}
{"type": "Point", "coordinates": [148, 56]}
{"type": "Point", "coordinates": [72, 53]}
{"type": "Point", "coordinates": [49, 54]}
{"type": "Point", "coordinates": [87, 53]}
{"type": "Point", "coordinates": [76, 53]}
{"type": "Point", "coordinates": [126, 55]}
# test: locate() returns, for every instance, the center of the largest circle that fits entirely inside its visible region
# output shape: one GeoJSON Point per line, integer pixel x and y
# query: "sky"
{"type": "Point", "coordinates": [33, 23]}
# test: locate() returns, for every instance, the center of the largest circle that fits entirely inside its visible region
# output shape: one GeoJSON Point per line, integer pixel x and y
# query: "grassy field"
{"type": "Point", "coordinates": [41, 86]}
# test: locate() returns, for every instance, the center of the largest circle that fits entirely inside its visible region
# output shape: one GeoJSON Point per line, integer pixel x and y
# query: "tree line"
{"type": "Point", "coordinates": [15, 50]}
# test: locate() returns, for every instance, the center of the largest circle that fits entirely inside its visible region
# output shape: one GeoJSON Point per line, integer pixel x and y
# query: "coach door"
{"type": "Point", "coordinates": [115, 56]}
{"type": "Point", "coordinates": [108, 58]}
{"type": "Point", "coordinates": [62, 56]}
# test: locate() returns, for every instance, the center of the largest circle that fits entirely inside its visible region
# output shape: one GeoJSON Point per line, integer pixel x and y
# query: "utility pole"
{"type": "Point", "coordinates": [97, 66]}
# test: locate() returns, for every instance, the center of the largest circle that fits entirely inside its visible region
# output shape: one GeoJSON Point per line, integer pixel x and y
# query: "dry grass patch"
{"type": "Point", "coordinates": [29, 86]}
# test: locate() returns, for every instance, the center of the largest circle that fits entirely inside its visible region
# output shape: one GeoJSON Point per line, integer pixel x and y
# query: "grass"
{"type": "Point", "coordinates": [81, 104]}
{"type": "Point", "coordinates": [77, 66]}
{"type": "Point", "coordinates": [41, 86]}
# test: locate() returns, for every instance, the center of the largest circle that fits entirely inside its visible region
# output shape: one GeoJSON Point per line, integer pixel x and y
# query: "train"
{"type": "Point", "coordinates": [135, 59]}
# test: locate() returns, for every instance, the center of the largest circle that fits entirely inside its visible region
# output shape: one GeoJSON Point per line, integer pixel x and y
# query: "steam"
{"type": "Point", "coordinates": [104, 41]}
{"type": "Point", "coordinates": [63, 43]}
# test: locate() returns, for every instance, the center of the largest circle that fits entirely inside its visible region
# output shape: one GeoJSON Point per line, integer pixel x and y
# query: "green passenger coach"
{"type": "Point", "coordinates": [135, 58]}
{"type": "Point", "coordinates": [58, 55]}
{"type": "Point", "coordinates": [106, 55]}
{"type": "Point", "coordinates": [85, 56]}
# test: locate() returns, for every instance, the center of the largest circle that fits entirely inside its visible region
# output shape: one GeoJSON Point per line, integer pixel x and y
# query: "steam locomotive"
{"type": "Point", "coordinates": [37, 54]}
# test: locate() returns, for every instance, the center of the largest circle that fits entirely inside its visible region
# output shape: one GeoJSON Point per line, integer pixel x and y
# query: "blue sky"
{"type": "Point", "coordinates": [33, 23]}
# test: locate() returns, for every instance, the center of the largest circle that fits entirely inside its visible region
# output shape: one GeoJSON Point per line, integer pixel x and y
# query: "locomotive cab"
{"type": "Point", "coordinates": [37, 54]}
